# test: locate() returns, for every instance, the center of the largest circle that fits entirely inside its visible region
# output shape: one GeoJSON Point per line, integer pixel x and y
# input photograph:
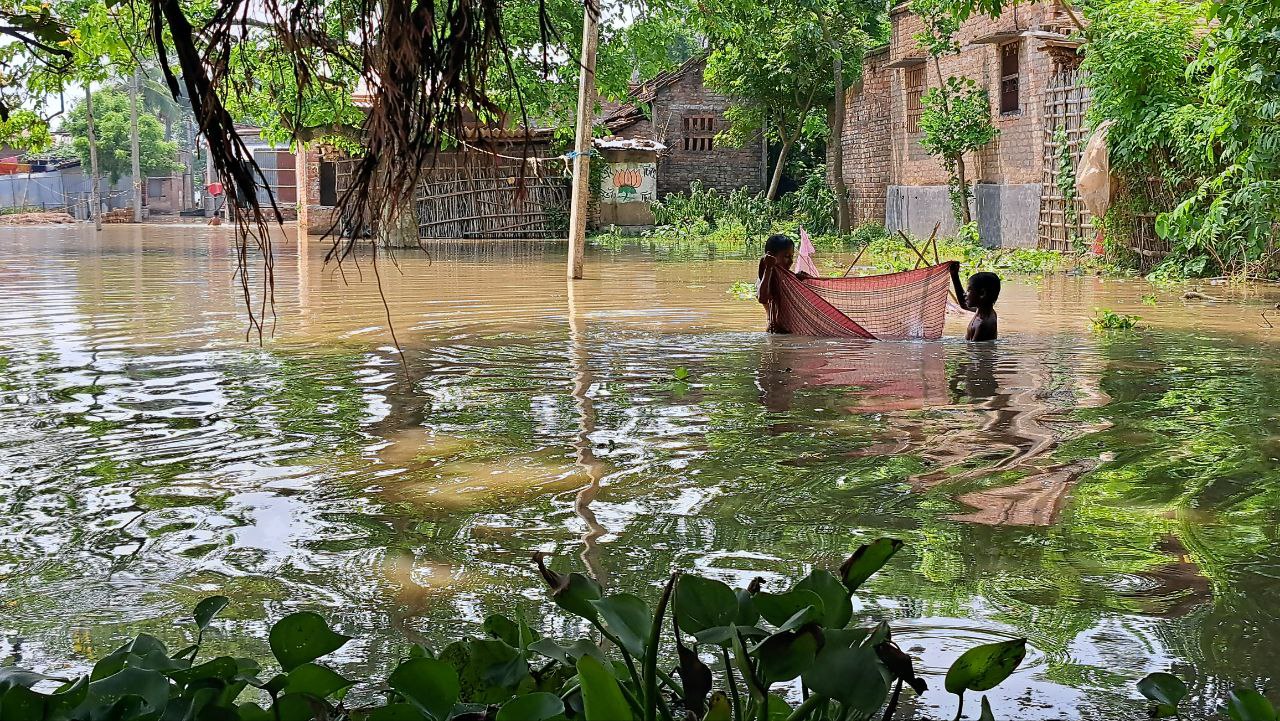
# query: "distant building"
{"type": "Point", "coordinates": [678, 111]}
{"type": "Point", "coordinates": [1029, 66]}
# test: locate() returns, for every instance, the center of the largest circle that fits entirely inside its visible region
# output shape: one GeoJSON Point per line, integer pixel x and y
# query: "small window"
{"type": "Point", "coordinates": [328, 184]}
{"type": "Point", "coordinates": [1010, 56]}
{"type": "Point", "coordinates": [914, 84]}
{"type": "Point", "coordinates": [699, 133]}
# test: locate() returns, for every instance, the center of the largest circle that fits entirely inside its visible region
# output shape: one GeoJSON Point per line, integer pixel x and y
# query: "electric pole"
{"type": "Point", "coordinates": [582, 146]}
{"type": "Point", "coordinates": [136, 168]}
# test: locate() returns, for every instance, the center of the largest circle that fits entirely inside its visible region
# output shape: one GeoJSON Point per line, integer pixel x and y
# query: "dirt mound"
{"type": "Point", "coordinates": [37, 218]}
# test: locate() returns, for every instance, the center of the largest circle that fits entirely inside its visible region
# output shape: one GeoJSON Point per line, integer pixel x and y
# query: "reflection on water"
{"type": "Point", "coordinates": [1113, 498]}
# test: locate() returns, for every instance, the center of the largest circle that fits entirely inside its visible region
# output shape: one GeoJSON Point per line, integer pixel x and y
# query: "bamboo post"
{"type": "Point", "coordinates": [581, 195]}
{"type": "Point", "coordinates": [135, 155]}
{"type": "Point", "coordinates": [95, 202]}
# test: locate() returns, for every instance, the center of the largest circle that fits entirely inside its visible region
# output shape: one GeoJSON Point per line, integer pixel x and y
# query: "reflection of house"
{"type": "Point", "coordinates": [678, 111]}
{"type": "Point", "coordinates": [1027, 63]}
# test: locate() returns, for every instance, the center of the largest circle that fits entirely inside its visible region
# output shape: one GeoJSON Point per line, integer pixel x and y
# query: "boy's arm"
{"type": "Point", "coordinates": [959, 287]}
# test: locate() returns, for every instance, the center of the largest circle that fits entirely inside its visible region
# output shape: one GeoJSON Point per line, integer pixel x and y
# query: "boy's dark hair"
{"type": "Point", "coordinates": [777, 242]}
{"type": "Point", "coordinates": [986, 285]}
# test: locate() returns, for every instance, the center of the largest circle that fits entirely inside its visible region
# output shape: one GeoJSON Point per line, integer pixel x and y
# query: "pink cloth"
{"type": "Point", "coordinates": [804, 259]}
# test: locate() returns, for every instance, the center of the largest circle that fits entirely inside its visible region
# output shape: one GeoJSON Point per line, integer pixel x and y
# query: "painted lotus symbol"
{"type": "Point", "coordinates": [628, 183]}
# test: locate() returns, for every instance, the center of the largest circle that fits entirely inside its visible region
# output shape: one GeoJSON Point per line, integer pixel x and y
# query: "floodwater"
{"type": "Point", "coordinates": [1115, 498]}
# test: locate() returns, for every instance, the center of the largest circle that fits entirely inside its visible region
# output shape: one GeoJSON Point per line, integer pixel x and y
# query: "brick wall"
{"type": "Point", "coordinates": [866, 141]}
{"type": "Point", "coordinates": [317, 219]}
{"type": "Point", "coordinates": [722, 167]}
{"type": "Point", "coordinates": [1015, 157]}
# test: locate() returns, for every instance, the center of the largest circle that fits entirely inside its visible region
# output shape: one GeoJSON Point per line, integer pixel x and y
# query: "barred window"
{"type": "Point", "coordinates": [914, 83]}
{"type": "Point", "coordinates": [1010, 56]}
{"type": "Point", "coordinates": [699, 132]}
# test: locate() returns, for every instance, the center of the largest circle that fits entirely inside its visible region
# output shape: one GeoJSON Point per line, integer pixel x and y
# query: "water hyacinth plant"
{"type": "Point", "coordinates": [640, 664]}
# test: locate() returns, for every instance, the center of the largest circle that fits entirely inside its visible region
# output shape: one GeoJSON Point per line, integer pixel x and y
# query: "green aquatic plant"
{"type": "Point", "coordinates": [743, 290]}
{"type": "Point", "coordinates": [1165, 691]}
{"type": "Point", "coordinates": [1105, 319]}
{"type": "Point", "coordinates": [622, 672]}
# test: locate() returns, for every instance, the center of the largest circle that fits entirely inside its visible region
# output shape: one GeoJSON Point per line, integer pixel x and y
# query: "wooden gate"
{"type": "Point", "coordinates": [1065, 223]}
{"type": "Point", "coordinates": [492, 197]}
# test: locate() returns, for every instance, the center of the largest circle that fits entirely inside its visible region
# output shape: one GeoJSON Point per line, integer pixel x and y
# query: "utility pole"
{"type": "Point", "coordinates": [582, 146]}
{"type": "Point", "coordinates": [95, 202]}
{"type": "Point", "coordinates": [136, 168]}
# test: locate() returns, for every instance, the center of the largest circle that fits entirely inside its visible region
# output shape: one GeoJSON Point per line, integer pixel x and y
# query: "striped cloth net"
{"type": "Point", "coordinates": [911, 305]}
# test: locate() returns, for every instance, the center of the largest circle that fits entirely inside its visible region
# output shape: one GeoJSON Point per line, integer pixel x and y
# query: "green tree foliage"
{"type": "Point", "coordinates": [955, 119]}
{"type": "Point", "coordinates": [955, 115]}
{"type": "Point", "coordinates": [111, 118]}
{"type": "Point", "coordinates": [1199, 113]}
{"type": "Point", "coordinates": [774, 63]}
{"type": "Point", "coordinates": [1234, 126]}
{"type": "Point", "coordinates": [1136, 63]}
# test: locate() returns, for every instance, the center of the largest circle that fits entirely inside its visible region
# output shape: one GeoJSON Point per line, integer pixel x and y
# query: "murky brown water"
{"type": "Point", "coordinates": [1115, 498]}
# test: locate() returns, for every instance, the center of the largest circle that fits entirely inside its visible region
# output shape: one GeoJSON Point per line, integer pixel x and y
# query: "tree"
{"type": "Point", "coordinates": [111, 120]}
{"type": "Point", "coordinates": [781, 66]}
{"type": "Point", "coordinates": [955, 116]}
{"type": "Point", "coordinates": [955, 119]}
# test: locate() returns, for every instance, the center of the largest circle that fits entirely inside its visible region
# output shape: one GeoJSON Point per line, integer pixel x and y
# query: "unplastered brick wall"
{"type": "Point", "coordinates": [718, 166]}
{"type": "Point", "coordinates": [866, 141]}
{"type": "Point", "coordinates": [1015, 157]}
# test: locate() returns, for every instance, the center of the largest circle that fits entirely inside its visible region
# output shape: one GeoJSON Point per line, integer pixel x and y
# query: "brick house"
{"type": "Point", "coordinates": [677, 110]}
{"type": "Point", "coordinates": [1024, 58]}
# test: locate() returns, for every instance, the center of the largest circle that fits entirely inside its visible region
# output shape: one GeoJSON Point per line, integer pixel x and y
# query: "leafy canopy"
{"type": "Point", "coordinates": [157, 156]}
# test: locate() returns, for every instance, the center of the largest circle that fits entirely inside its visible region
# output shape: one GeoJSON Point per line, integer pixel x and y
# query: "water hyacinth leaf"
{"type": "Point", "coordinates": [986, 714]}
{"type": "Point", "coordinates": [778, 608]}
{"type": "Point", "coordinates": [503, 629]}
{"type": "Point", "coordinates": [396, 712]}
{"type": "Point", "coordinates": [722, 635]}
{"type": "Point", "coordinates": [254, 712]}
{"type": "Point", "coordinates": [849, 675]}
{"type": "Point", "coordinates": [701, 604]}
{"type": "Point", "coordinates": [297, 707]}
{"type": "Point", "coordinates": [787, 654]}
{"type": "Point", "coordinates": [11, 676]}
{"type": "Point", "coordinates": [149, 687]}
{"type": "Point", "coordinates": [865, 561]}
{"type": "Point", "coordinates": [209, 608]}
{"type": "Point", "coordinates": [628, 618]}
{"type": "Point", "coordinates": [573, 592]}
{"type": "Point", "coordinates": [222, 668]}
{"type": "Point", "coordinates": [880, 633]}
{"type": "Point", "coordinates": [983, 667]}
{"type": "Point", "coordinates": [719, 708]}
{"type": "Point", "coordinates": [20, 703]}
{"type": "Point", "coordinates": [489, 671]}
{"type": "Point", "coordinates": [303, 637]}
{"type": "Point", "coordinates": [1163, 688]}
{"type": "Point", "coordinates": [62, 701]}
{"type": "Point", "coordinates": [779, 708]}
{"type": "Point", "coordinates": [532, 707]}
{"type": "Point", "coordinates": [1245, 704]}
{"type": "Point", "coordinates": [602, 698]}
{"type": "Point", "coordinates": [837, 610]}
{"type": "Point", "coordinates": [567, 654]}
{"type": "Point", "coordinates": [845, 636]}
{"type": "Point", "coordinates": [316, 680]}
{"type": "Point", "coordinates": [429, 685]}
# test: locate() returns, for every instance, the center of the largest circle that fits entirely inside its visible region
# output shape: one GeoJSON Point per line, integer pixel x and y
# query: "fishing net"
{"type": "Point", "coordinates": [910, 305]}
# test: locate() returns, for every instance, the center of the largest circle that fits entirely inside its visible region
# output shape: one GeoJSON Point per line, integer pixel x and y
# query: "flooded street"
{"type": "Point", "coordinates": [1115, 498]}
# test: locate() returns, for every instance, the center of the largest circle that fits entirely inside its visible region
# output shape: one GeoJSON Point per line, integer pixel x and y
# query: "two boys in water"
{"type": "Point", "coordinates": [979, 298]}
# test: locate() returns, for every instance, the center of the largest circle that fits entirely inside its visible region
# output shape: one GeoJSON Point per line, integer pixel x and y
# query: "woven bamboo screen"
{"type": "Point", "coordinates": [1065, 223]}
